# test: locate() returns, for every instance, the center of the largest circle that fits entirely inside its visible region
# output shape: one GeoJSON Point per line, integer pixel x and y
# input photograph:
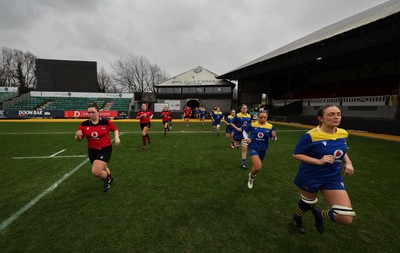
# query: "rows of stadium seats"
{"type": "Point", "coordinates": [7, 95]}
{"type": "Point", "coordinates": [71, 103]}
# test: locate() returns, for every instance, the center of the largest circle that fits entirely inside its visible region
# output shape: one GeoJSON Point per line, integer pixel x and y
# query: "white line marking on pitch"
{"type": "Point", "coordinates": [16, 215]}
{"type": "Point", "coordinates": [46, 157]}
{"type": "Point", "coordinates": [59, 152]}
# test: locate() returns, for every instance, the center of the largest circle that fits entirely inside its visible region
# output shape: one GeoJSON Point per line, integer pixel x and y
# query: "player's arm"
{"type": "Point", "coordinates": [314, 161]}
{"type": "Point", "coordinates": [347, 166]}
{"type": "Point", "coordinates": [237, 128]}
{"type": "Point", "coordinates": [273, 136]}
{"type": "Point", "coordinates": [79, 135]}
{"type": "Point", "coordinates": [117, 141]}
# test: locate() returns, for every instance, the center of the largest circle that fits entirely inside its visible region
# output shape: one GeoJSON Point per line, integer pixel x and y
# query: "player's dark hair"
{"type": "Point", "coordinates": [94, 105]}
{"type": "Point", "coordinates": [241, 106]}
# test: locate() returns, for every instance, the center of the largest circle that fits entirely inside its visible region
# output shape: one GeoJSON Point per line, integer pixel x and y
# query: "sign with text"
{"type": "Point", "coordinates": [84, 114]}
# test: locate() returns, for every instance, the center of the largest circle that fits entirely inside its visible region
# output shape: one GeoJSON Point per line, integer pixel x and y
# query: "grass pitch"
{"type": "Point", "coordinates": [185, 193]}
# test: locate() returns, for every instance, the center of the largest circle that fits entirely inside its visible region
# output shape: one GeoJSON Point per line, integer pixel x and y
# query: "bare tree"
{"type": "Point", "coordinates": [17, 68]}
{"type": "Point", "coordinates": [6, 73]}
{"type": "Point", "coordinates": [137, 74]}
{"type": "Point", "coordinates": [104, 81]}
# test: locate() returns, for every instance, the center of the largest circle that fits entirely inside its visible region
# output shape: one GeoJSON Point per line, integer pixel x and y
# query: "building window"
{"type": "Point", "coordinates": [226, 89]}
{"type": "Point", "coordinates": [209, 90]}
{"type": "Point", "coordinates": [185, 90]}
{"type": "Point", "coordinates": [161, 90]}
{"type": "Point", "coordinates": [200, 90]}
{"type": "Point", "coordinates": [169, 90]}
{"type": "Point", "coordinates": [178, 90]}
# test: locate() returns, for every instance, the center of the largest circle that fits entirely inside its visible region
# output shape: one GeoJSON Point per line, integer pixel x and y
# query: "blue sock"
{"type": "Point", "coordinates": [243, 161]}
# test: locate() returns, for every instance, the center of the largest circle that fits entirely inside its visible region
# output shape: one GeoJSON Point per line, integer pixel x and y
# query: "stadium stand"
{"type": "Point", "coordinates": [7, 93]}
{"type": "Point", "coordinates": [70, 103]}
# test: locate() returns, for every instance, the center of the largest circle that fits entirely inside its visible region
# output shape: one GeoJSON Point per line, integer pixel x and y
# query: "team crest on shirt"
{"type": "Point", "coordinates": [103, 127]}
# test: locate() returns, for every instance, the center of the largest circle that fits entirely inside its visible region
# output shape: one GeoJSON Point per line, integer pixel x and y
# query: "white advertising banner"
{"type": "Point", "coordinates": [174, 105]}
{"type": "Point", "coordinates": [158, 107]}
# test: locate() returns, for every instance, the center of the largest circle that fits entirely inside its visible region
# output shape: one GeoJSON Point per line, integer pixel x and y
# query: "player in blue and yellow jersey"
{"type": "Point", "coordinates": [261, 132]}
{"type": "Point", "coordinates": [240, 122]}
{"type": "Point", "coordinates": [217, 116]}
{"type": "Point", "coordinates": [202, 114]}
{"type": "Point", "coordinates": [229, 129]}
{"type": "Point", "coordinates": [321, 152]}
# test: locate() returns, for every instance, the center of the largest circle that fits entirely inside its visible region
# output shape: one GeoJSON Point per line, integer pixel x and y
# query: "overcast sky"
{"type": "Point", "coordinates": [177, 35]}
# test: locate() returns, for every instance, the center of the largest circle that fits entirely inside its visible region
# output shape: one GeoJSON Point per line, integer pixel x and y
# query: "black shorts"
{"type": "Point", "coordinates": [103, 154]}
{"type": "Point", "coordinates": [145, 125]}
{"type": "Point", "coordinates": [165, 121]}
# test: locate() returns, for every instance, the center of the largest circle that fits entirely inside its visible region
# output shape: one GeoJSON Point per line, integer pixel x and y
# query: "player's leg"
{"type": "Point", "coordinates": [147, 130]}
{"type": "Point", "coordinates": [306, 203]}
{"type": "Point", "coordinates": [244, 153]}
{"type": "Point", "coordinates": [341, 210]}
{"type": "Point", "coordinates": [255, 168]}
{"type": "Point", "coordinates": [100, 170]}
{"type": "Point", "coordinates": [166, 127]}
{"type": "Point", "coordinates": [144, 137]}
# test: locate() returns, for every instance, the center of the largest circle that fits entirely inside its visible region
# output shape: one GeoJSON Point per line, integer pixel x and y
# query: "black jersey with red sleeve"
{"type": "Point", "coordinates": [146, 118]}
{"type": "Point", "coordinates": [97, 134]}
{"type": "Point", "coordinates": [166, 115]}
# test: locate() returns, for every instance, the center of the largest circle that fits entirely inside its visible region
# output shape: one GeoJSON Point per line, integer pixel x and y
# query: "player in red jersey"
{"type": "Point", "coordinates": [187, 112]}
{"type": "Point", "coordinates": [96, 130]}
{"type": "Point", "coordinates": [145, 116]}
{"type": "Point", "coordinates": [166, 118]}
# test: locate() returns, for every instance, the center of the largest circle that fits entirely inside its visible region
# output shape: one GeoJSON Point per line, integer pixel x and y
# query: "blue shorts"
{"type": "Point", "coordinates": [214, 123]}
{"type": "Point", "coordinates": [237, 136]}
{"type": "Point", "coordinates": [310, 184]}
{"type": "Point", "coordinates": [229, 129]}
{"type": "Point", "coordinates": [261, 153]}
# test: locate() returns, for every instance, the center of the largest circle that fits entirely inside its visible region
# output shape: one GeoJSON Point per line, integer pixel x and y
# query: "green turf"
{"type": "Point", "coordinates": [185, 193]}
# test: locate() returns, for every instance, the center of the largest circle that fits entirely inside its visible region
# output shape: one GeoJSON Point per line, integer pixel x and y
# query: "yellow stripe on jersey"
{"type": "Point", "coordinates": [256, 124]}
{"type": "Point", "coordinates": [230, 117]}
{"type": "Point", "coordinates": [240, 115]}
{"type": "Point", "coordinates": [318, 135]}
{"type": "Point", "coordinates": [217, 112]}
